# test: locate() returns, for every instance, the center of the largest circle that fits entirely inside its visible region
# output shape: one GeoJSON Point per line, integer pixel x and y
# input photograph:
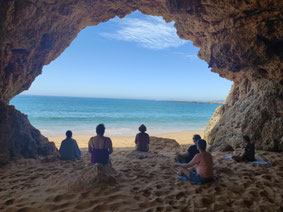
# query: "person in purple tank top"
{"type": "Point", "coordinates": [100, 147]}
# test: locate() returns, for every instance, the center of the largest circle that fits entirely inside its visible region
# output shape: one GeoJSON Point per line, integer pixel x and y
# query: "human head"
{"type": "Point", "coordinates": [246, 138]}
{"type": "Point", "coordinates": [100, 129]}
{"type": "Point", "coordinates": [201, 144]}
{"type": "Point", "coordinates": [69, 134]}
{"type": "Point", "coordinates": [142, 128]}
{"type": "Point", "coordinates": [196, 138]}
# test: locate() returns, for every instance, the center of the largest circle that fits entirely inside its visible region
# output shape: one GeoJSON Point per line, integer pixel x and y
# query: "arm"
{"type": "Point", "coordinates": [77, 149]}
{"type": "Point", "coordinates": [186, 165]}
{"type": "Point", "coordinates": [136, 139]}
{"type": "Point", "coordinates": [89, 146]}
{"type": "Point", "coordinates": [186, 154]}
{"type": "Point", "coordinates": [110, 148]}
{"type": "Point", "coordinates": [193, 162]}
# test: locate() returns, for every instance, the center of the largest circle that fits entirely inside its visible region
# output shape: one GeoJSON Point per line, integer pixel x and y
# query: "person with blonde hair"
{"type": "Point", "coordinates": [142, 140]}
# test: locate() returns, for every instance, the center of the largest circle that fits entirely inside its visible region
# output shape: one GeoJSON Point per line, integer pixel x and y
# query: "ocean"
{"type": "Point", "coordinates": [54, 115]}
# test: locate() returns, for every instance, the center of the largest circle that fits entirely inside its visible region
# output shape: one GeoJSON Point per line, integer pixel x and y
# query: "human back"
{"type": "Point", "coordinates": [204, 163]}
{"type": "Point", "coordinates": [69, 149]}
{"type": "Point", "coordinates": [99, 142]}
{"type": "Point", "coordinates": [142, 140]}
{"type": "Point", "coordinates": [100, 147]}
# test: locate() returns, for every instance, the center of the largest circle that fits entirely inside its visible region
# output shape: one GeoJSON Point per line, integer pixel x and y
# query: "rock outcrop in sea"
{"type": "Point", "coordinates": [240, 40]}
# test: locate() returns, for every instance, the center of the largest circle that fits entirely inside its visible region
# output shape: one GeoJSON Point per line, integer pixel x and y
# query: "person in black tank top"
{"type": "Point", "coordinates": [191, 152]}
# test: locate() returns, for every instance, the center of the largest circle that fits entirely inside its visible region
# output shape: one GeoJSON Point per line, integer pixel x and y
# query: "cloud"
{"type": "Point", "coordinates": [191, 57]}
{"type": "Point", "coordinates": [150, 32]}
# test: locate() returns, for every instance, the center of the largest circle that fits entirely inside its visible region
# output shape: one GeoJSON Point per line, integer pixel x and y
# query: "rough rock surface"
{"type": "Point", "coordinates": [18, 138]}
{"type": "Point", "coordinates": [254, 109]}
{"type": "Point", "coordinates": [240, 40]}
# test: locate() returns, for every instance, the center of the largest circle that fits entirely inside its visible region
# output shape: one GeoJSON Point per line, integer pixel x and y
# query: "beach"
{"type": "Point", "coordinates": [143, 183]}
{"type": "Point", "coordinates": [183, 138]}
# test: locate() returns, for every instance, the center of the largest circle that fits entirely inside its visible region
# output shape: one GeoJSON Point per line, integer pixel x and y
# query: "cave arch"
{"type": "Point", "coordinates": [240, 40]}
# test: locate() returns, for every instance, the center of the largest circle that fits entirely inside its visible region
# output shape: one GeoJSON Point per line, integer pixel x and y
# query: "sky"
{"type": "Point", "coordinates": [137, 57]}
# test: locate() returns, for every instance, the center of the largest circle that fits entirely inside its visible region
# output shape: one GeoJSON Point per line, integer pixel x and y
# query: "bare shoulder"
{"type": "Point", "coordinates": [93, 138]}
{"type": "Point", "coordinates": [108, 140]}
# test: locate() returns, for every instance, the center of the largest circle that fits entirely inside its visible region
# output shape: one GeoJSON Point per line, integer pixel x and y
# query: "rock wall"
{"type": "Point", "coordinates": [18, 138]}
{"type": "Point", "coordinates": [251, 108]}
{"type": "Point", "coordinates": [241, 40]}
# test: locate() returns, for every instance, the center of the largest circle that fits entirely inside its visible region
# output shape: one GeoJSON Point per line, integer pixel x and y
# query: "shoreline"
{"type": "Point", "coordinates": [183, 138]}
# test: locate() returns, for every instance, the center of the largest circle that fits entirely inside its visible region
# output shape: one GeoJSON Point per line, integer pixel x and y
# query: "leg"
{"type": "Point", "coordinates": [186, 171]}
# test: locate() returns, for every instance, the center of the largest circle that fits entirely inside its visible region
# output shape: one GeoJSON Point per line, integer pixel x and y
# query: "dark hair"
{"type": "Point", "coordinates": [142, 128]}
{"type": "Point", "coordinates": [196, 137]}
{"type": "Point", "coordinates": [202, 144]}
{"type": "Point", "coordinates": [100, 129]}
{"type": "Point", "coordinates": [69, 133]}
{"type": "Point", "coordinates": [246, 138]}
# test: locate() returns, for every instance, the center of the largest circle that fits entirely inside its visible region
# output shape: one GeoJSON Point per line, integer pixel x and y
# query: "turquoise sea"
{"type": "Point", "coordinates": [122, 117]}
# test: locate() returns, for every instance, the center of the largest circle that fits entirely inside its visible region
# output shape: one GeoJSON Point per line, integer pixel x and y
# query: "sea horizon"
{"type": "Point", "coordinates": [128, 98]}
{"type": "Point", "coordinates": [53, 115]}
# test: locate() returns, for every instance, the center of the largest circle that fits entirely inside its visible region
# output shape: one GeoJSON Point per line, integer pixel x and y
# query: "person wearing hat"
{"type": "Point", "coordinates": [142, 140]}
{"type": "Point", "coordinates": [191, 152]}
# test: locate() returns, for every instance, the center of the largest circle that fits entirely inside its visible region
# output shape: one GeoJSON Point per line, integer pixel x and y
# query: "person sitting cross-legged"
{"type": "Point", "coordinates": [142, 140]}
{"type": "Point", "coordinates": [249, 151]}
{"type": "Point", "coordinates": [191, 152]}
{"type": "Point", "coordinates": [200, 169]}
{"type": "Point", "coordinates": [100, 147]}
{"type": "Point", "coordinates": [69, 149]}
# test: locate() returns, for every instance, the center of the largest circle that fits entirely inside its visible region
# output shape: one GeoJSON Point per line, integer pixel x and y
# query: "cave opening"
{"type": "Point", "coordinates": [236, 42]}
{"type": "Point", "coordinates": [136, 58]}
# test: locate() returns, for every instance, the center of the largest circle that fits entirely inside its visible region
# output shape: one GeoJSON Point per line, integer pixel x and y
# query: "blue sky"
{"type": "Point", "coordinates": [137, 57]}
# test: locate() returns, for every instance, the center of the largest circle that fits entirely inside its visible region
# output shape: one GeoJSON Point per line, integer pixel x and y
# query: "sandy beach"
{"type": "Point", "coordinates": [140, 183]}
{"type": "Point", "coordinates": [183, 138]}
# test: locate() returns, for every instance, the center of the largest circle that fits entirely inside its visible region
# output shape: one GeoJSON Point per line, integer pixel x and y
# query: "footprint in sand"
{"type": "Point", "coordinates": [180, 195]}
{"type": "Point", "coordinates": [9, 202]}
{"type": "Point", "coordinates": [146, 193]}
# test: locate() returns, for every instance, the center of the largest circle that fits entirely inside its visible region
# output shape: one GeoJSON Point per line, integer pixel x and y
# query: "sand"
{"type": "Point", "coordinates": [148, 184]}
{"type": "Point", "coordinates": [183, 138]}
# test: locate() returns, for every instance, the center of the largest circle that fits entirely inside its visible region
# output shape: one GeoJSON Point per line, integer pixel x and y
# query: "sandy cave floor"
{"type": "Point", "coordinates": [148, 184]}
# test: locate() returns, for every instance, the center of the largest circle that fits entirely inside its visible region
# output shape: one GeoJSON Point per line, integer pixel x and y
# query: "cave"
{"type": "Point", "coordinates": [240, 40]}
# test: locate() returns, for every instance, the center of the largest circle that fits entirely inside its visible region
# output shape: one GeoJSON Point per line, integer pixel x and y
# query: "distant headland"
{"type": "Point", "coordinates": [219, 102]}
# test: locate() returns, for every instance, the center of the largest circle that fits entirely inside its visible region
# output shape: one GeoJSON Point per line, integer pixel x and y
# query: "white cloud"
{"type": "Point", "coordinates": [151, 32]}
{"type": "Point", "coordinates": [191, 57]}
